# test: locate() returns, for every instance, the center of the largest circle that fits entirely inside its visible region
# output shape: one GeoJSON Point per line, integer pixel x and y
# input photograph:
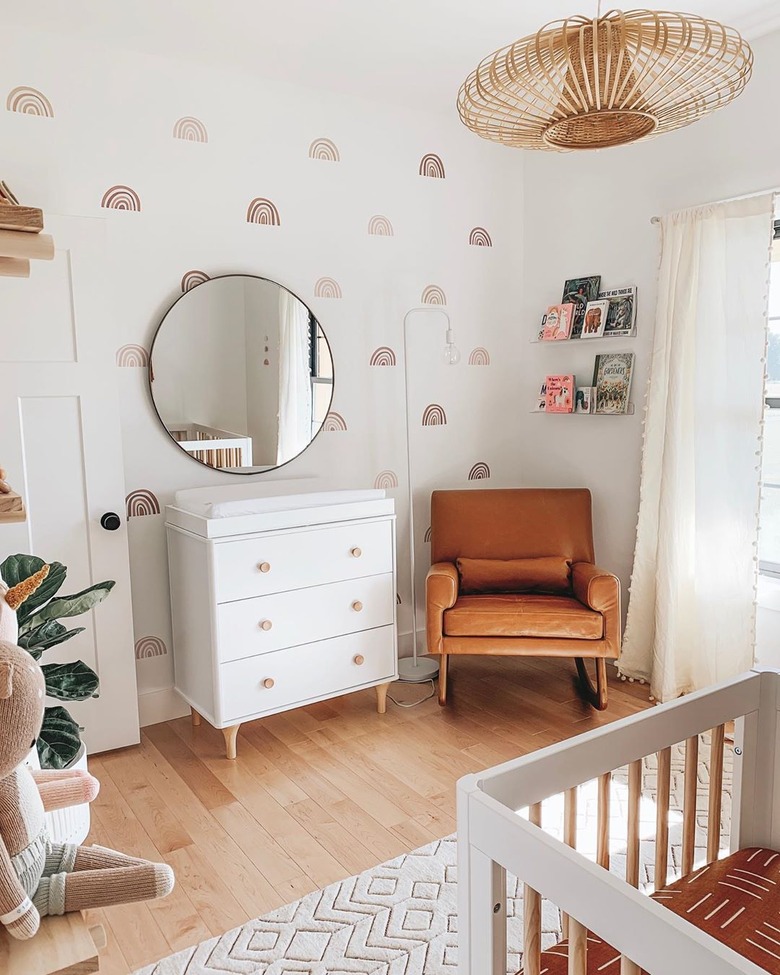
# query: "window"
{"type": "Point", "coordinates": [321, 374]}
{"type": "Point", "coordinates": [769, 538]}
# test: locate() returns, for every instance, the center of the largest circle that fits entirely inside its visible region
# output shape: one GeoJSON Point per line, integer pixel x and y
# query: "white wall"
{"type": "Point", "coordinates": [590, 214]}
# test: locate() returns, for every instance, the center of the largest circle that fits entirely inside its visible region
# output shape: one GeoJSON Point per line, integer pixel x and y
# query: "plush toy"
{"type": "Point", "coordinates": [38, 877]}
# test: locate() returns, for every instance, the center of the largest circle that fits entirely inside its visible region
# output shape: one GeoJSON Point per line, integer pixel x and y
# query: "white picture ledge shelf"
{"type": "Point", "coordinates": [629, 412]}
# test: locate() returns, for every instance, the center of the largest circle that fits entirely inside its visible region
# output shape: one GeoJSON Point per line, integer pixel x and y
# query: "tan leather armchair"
{"type": "Point", "coordinates": [581, 620]}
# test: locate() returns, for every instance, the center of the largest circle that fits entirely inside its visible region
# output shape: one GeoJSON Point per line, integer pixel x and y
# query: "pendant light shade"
{"type": "Point", "coordinates": [590, 84]}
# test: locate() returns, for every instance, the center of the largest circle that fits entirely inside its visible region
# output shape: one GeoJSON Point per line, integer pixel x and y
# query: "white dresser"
{"type": "Point", "coordinates": [279, 602]}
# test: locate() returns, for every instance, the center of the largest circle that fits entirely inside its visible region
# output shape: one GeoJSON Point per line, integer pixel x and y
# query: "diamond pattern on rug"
{"type": "Point", "coordinates": [400, 918]}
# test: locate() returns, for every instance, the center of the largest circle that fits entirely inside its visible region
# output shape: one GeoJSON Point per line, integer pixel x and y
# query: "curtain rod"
{"type": "Point", "coordinates": [729, 199]}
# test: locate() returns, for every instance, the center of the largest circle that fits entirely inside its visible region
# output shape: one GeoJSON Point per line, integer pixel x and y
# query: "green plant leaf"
{"type": "Point", "coordinates": [59, 740]}
{"type": "Point", "coordinates": [46, 635]}
{"type": "Point", "coordinates": [75, 605]}
{"type": "Point", "coordinates": [71, 682]}
{"type": "Point", "coordinates": [17, 568]}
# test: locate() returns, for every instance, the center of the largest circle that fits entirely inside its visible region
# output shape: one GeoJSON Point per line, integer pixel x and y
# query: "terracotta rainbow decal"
{"type": "Point", "coordinates": [191, 279]}
{"type": "Point", "coordinates": [142, 503]}
{"type": "Point", "coordinates": [398, 598]}
{"type": "Point", "coordinates": [263, 212]}
{"type": "Point", "coordinates": [29, 101]}
{"type": "Point", "coordinates": [334, 423]}
{"type": "Point", "coordinates": [132, 355]}
{"type": "Point", "coordinates": [379, 226]}
{"type": "Point", "coordinates": [434, 416]}
{"type": "Point", "coordinates": [431, 165]}
{"type": "Point", "coordinates": [383, 356]}
{"type": "Point", "coordinates": [428, 533]}
{"type": "Point", "coordinates": [433, 295]}
{"type": "Point", "coordinates": [327, 288]}
{"type": "Point", "coordinates": [386, 480]}
{"type": "Point", "coordinates": [149, 646]}
{"type": "Point", "coordinates": [479, 357]}
{"type": "Point", "coordinates": [190, 129]}
{"type": "Point", "coordinates": [479, 472]}
{"type": "Point", "coordinates": [324, 149]}
{"type": "Point", "coordinates": [121, 197]}
{"type": "Point", "coordinates": [479, 237]}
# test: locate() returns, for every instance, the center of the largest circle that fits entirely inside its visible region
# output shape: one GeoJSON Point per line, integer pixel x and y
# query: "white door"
{"type": "Point", "coordinates": [60, 445]}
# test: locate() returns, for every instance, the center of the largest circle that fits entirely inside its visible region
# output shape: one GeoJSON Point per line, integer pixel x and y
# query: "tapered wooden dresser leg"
{"type": "Point", "coordinates": [230, 734]}
{"type": "Point", "coordinates": [381, 698]}
{"type": "Point", "coordinates": [196, 719]}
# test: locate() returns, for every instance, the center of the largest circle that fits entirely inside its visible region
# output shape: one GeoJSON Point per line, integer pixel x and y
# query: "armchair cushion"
{"type": "Point", "coordinates": [521, 615]}
{"type": "Point", "coordinates": [549, 574]}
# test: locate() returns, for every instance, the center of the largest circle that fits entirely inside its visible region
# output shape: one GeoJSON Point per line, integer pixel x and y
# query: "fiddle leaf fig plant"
{"type": "Point", "coordinates": [40, 630]}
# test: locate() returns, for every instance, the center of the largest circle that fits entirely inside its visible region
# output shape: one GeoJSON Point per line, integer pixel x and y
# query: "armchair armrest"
{"type": "Point", "coordinates": [441, 592]}
{"type": "Point", "coordinates": [600, 591]}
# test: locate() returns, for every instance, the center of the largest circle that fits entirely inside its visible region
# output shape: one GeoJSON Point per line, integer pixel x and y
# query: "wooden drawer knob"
{"type": "Point", "coordinates": [356, 552]}
{"type": "Point", "coordinates": [269, 682]}
{"type": "Point", "coordinates": [359, 659]}
{"type": "Point", "coordinates": [264, 566]}
{"type": "Point", "coordinates": [266, 625]}
{"type": "Point", "coordinates": [357, 606]}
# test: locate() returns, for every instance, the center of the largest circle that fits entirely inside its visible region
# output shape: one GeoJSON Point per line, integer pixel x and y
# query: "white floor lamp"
{"type": "Point", "coordinates": [416, 669]}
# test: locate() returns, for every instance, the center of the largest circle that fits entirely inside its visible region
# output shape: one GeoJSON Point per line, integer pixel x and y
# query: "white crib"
{"type": "Point", "coordinates": [494, 837]}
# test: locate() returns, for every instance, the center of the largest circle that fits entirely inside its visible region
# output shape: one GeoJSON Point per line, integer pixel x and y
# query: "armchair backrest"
{"type": "Point", "coordinates": [513, 523]}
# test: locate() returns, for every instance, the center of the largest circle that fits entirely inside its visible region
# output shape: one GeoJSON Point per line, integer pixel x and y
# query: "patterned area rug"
{"type": "Point", "coordinates": [400, 918]}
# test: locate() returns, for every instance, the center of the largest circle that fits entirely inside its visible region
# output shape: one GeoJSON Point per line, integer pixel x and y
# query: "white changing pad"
{"type": "Point", "coordinates": [233, 500]}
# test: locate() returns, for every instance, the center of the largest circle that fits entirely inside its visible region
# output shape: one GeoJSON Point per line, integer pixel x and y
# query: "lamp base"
{"type": "Point", "coordinates": [425, 669]}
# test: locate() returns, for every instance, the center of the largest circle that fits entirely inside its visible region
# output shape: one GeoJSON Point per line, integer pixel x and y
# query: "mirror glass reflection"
{"type": "Point", "coordinates": [241, 374]}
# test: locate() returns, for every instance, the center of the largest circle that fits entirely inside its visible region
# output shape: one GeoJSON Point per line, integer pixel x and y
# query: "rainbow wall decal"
{"type": "Point", "coordinates": [479, 237]}
{"type": "Point", "coordinates": [379, 226]}
{"type": "Point", "coordinates": [479, 357]}
{"type": "Point", "coordinates": [149, 646]}
{"type": "Point", "coordinates": [428, 533]}
{"type": "Point", "coordinates": [121, 197]}
{"type": "Point", "coordinates": [190, 129]}
{"type": "Point", "coordinates": [479, 472]}
{"type": "Point", "coordinates": [398, 599]}
{"type": "Point", "coordinates": [327, 288]}
{"type": "Point", "coordinates": [434, 416]}
{"type": "Point", "coordinates": [192, 279]}
{"type": "Point", "coordinates": [29, 101]}
{"type": "Point", "coordinates": [132, 355]}
{"type": "Point", "coordinates": [263, 212]}
{"type": "Point", "coordinates": [433, 295]}
{"type": "Point", "coordinates": [324, 149]}
{"type": "Point", "coordinates": [142, 503]}
{"type": "Point", "coordinates": [334, 423]}
{"type": "Point", "coordinates": [431, 165]}
{"type": "Point", "coordinates": [383, 356]}
{"type": "Point", "coordinates": [386, 480]}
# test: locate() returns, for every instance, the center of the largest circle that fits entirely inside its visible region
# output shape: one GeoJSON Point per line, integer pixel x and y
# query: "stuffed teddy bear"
{"type": "Point", "coordinates": [38, 877]}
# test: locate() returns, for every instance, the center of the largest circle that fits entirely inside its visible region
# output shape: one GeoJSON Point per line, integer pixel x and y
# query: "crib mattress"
{"type": "Point", "coordinates": [735, 900]}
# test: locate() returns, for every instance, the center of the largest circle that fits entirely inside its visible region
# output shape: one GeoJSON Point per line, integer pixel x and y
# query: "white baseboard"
{"type": "Point", "coordinates": [159, 705]}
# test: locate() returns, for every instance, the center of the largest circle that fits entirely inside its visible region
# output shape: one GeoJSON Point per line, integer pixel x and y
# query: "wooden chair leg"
{"type": "Point", "coordinates": [443, 668]}
{"type": "Point", "coordinates": [596, 695]}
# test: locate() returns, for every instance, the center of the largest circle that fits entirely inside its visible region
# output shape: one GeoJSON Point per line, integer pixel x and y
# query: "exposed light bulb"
{"type": "Point", "coordinates": [451, 354]}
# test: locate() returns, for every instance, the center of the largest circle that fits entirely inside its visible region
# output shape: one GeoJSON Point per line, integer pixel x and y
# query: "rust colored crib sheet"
{"type": "Point", "coordinates": [735, 900]}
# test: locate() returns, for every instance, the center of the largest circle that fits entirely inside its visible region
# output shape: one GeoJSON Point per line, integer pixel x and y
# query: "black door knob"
{"type": "Point", "coordinates": [110, 521]}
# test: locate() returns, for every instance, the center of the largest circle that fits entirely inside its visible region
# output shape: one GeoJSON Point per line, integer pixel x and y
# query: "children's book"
{"type": "Point", "coordinates": [579, 291]}
{"type": "Point", "coordinates": [560, 394]}
{"type": "Point", "coordinates": [584, 399]}
{"type": "Point", "coordinates": [558, 323]}
{"type": "Point", "coordinates": [621, 318]}
{"type": "Point", "coordinates": [595, 319]}
{"type": "Point", "coordinates": [612, 379]}
{"type": "Point", "coordinates": [540, 403]}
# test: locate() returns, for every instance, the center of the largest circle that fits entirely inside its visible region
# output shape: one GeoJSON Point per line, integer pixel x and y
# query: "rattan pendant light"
{"type": "Point", "coordinates": [593, 83]}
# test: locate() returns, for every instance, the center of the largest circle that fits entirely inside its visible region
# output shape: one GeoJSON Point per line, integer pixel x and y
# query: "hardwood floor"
{"type": "Point", "coordinates": [316, 794]}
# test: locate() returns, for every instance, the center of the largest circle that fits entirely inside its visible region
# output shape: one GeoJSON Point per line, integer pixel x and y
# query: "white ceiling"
{"type": "Point", "coordinates": [411, 52]}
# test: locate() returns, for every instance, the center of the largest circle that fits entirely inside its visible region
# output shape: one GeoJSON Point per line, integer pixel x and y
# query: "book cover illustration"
{"type": "Point", "coordinates": [612, 379]}
{"type": "Point", "coordinates": [540, 403]}
{"type": "Point", "coordinates": [595, 319]}
{"type": "Point", "coordinates": [558, 323]}
{"type": "Point", "coordinates": [560, 394]}
{"type": "Point", "coordinates": [584, 399]}
{"type": "Point", "coordinates": [579, 291]}
{"type": "Point", "coordinates": [621, 319]}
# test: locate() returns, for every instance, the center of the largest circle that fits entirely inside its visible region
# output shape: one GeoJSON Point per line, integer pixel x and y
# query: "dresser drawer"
{"type": "Point", "coordinates": [275, 563]}
{"type": "Point", "coordinates": [249, 627]}
{"type": "Point", "coordinates": [300, 674]}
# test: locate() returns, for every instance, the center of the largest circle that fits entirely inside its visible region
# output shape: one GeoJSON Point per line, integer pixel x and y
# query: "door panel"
{"type": "Point", "coordinates": [60, 443]}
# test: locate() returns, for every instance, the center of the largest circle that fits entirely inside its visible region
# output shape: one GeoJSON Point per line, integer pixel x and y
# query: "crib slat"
{"type": "Point", "coordinates": [532, 914]}
{"type": "Point", "coordinates": [663, 792]}
{"type": "Point", "coordinates": [578, 948]}
{"type": "Point", "coordinates": [628, 967]}
{"type": "Point", "coordinates": [716, 790]}
{"type": "Point", "coordinates": [569, 834]}
{"type": "Point", "coordinates": [634, 800]}
{"type": "Point", "coordinates": [602, 840]}
{"type": "Point", "coordinates": [689, 803]}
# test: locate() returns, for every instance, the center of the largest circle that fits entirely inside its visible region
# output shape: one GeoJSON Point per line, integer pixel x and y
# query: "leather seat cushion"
{"type": "Point", "coordinates": [520, 614]}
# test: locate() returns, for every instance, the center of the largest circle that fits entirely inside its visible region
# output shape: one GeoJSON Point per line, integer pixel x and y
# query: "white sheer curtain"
{"type": "Point", "coordinates": [295, 399]}
{"type": "Point", "coordinates": [691, 616]}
